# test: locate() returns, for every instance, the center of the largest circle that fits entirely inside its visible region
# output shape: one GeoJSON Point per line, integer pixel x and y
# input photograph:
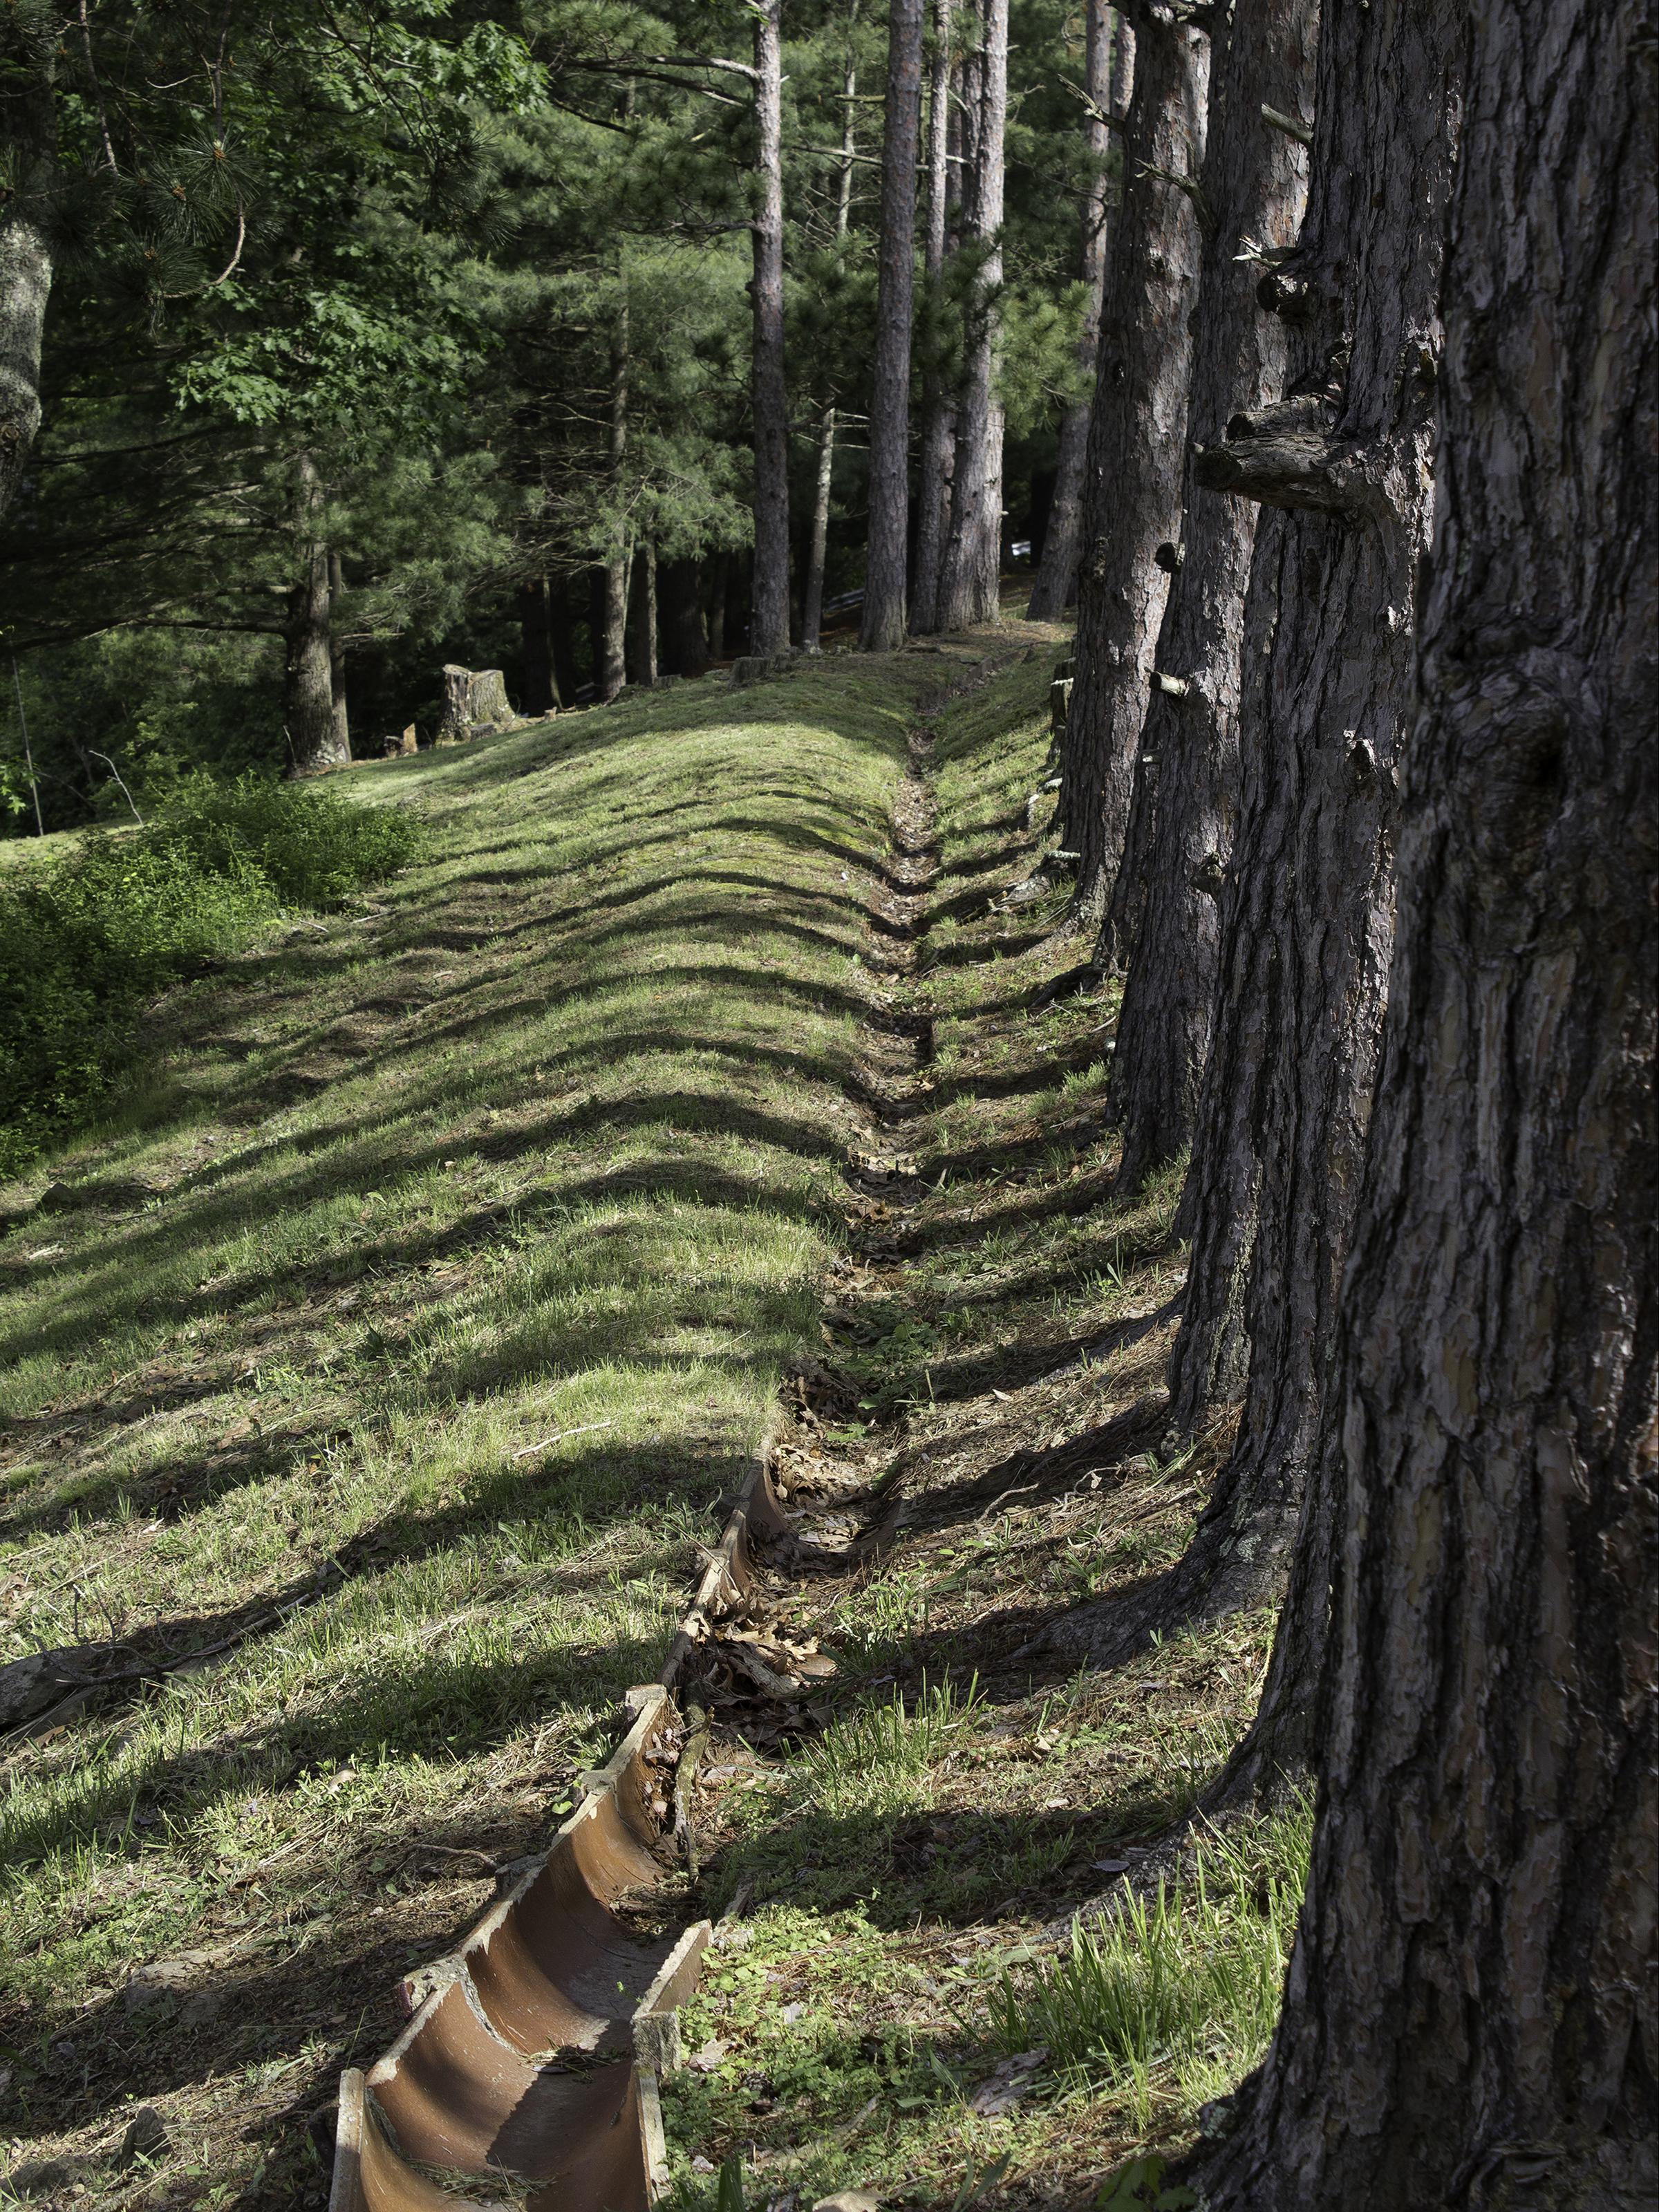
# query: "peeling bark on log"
{"type": "Point", "coordinates": [1136, 429]}
{"type": "Point", "coordinates": [1470, 2015]}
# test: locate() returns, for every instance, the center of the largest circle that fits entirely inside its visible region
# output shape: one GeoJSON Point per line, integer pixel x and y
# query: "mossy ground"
{"type": "Point", "coordinates": [391, 1348]}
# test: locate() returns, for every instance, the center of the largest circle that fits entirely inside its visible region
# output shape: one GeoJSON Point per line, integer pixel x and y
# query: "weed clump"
{"type": "Point", "coordinates": [86, 940]}
{"type": "Point", "coordinates": [1177, 1992]}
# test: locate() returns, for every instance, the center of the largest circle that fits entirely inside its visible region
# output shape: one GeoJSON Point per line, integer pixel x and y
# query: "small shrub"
{"type": "Point", "coordinates": [86, 940]}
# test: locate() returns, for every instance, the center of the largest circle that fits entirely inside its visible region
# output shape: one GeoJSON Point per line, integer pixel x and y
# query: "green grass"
{"type": "Point", "coordinates": [90, 934]}
{"type": "Point", "coordinates": [395, 1334]}
{"type": "Point", "coordinates": [1180, 1989]}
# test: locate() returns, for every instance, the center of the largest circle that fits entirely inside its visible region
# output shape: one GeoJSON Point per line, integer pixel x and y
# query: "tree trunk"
{"type": "Point", "coordinates": [882, 629]}
{"type": "Point", "coordinates": [1107, 77]}
{"type": "Point", "coordinates": [611, 672]}
{"type": "Point", "coordinates": [938, 414]}
{"type": "Point", "coordinates": [1307, 909]}
{"type": "Point", "coordinates": [537, 687]}
{"type": "Point", "coordinates": [716, 570]}
{"type": "Point", "coordinates": [643, 656]}
{"type": "Point", "coordinates": [685, 646]}
{"type": "Point", "coordinates": [313, 737]}
{"type": "Point", "coordinates": [1163, 921]}
{"type": "Point", "coordinates": [769, 629]}
{"type": "Point", "coordinates": [811, 620]}
{"type": "Point", "coordinates": [562, 633]}
{"type": "Point", "coordinates": [25, 264]}
{"type": "Point", "coordinates": [1469, 2015]}
{"type": "Point", "coordinates": [811, 617]}
{"type": "Point", "coordinates": [972, 571]}
{"type": "Point", "coordinates": [337, 661]}
{"type": "Point", "coordinates": [1137, 430]}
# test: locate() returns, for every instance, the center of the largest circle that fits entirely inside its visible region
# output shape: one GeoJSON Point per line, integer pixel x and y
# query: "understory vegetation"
{"type": "Point", "coordinates": [87, 937]}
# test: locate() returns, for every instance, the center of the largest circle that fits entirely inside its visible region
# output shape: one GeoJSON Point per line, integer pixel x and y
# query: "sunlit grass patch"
{"type": "Point", "coordinates": [1172, 1998]}
{"type": "Point", "coordinates": [382, 1358]}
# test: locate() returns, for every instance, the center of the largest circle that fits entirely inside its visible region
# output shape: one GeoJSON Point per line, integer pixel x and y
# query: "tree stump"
{"type": "Point", "coordinates": [474, 699]}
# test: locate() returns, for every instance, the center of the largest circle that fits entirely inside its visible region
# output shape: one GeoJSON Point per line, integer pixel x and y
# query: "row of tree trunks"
{"type": "Point", "coordinates": [1108, 80]}
{"type": "Point", "coordinates": [1163, 918]}
{"type": "Point", "coordinates": [1469, 2016]}
{"type": "Point", "coordinates": [883, 625]}
{"type": "Point", "coordinates": [938, 442]}
{"type": "Point", "coordinates": [970, 574]}
{"type": "Point", "coordinates": [1133, 474]}
{"type": "Point", "coordinates": [770, 625]}
{"type": "Point", "coordinates": [1307, 907]}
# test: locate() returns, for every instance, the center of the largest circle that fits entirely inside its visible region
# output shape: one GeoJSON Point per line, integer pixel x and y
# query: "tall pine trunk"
{"type": "Point", "coordinates": [643, 654]}
{"type": "Point", "coordinates": [938, 415]}
{"type": "Point", "coordinates": [1137, 432]}
{"type": "Point", "coordinates": [336, 660]}
{"type": "Point", "coordinates": [1108, 67]}
{"type": "Point", "coordinates": [1162, 923]}
{"type": "Point", "coordinates": [811, 620]}
{"type": "Point", "coordinates": [30, 121]}
{"type": "Point", "coordinates": [769, 626]}
{"type": "Point", "coordinates": [611, 672]}
{"type": "Point", "coordinates": [539, 688]}
{"type": "Point", "coordinates": [972, 570]}
{"type": "Point", "coordinates": [882, 629]}
{"type": "Point", "coordinates": [1308, 910]}
{"type": "Point", "coordinates": [1469, 2015]}
{"type": "Point", "coordinates": [313, 743]}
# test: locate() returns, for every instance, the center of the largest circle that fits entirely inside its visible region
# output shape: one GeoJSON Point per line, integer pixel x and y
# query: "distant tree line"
{"type": "Point", "coordinates": [582, 339]}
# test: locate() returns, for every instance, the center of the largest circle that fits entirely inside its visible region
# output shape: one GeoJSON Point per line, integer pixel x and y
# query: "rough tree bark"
{"type": "Point", "coordinates": [769, 624]}
{"type": "Point", "coordinates": [972, 569]}
{"type": "Point", "coordinates": [882, 629]}
{"type": "Point", "coordinates": [1136, 429]}
{"type": "Point", "coordinates": [938, 414]}
{"type": "Point", "coordinates": [1108, 79]}
{"type": "Point", "coordinates": [1163, 919]}
{"type": "Point", "coordinates": [811, 619]}
{"type": "Point", "coordinates": [25, 264]}
{"type": "Point", "coordinates": [643, 628]}
{"type": "Point", "coordinates": [611, 672]}
{"type": "Point", "coordinates": [539, 684]}
{"type": "Point", "coordinates": [684, 642]}
{"type": "Point", "coordinates": [336, 660]}
{"type": "Point", "coordinates": [1470, 2015]}
{"type": "Point", "coordinates": [313, 741]}
{"type": "Point", "coordinates": [1308, 905]}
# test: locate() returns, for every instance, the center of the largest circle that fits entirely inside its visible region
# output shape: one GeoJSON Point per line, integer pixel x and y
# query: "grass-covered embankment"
{"type": "Point", "coordinates": [390, 1347]}
{"type": "Point", "coordinates": [906, 2009]}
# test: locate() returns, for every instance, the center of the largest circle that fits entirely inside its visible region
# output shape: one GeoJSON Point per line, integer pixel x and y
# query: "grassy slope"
{"type": "Point", "coordinates": [540, 1139]}
{"type": "Point", "coordinates": [906, 1870]}
{"type": "Point", "coordinates": [550, 1135]}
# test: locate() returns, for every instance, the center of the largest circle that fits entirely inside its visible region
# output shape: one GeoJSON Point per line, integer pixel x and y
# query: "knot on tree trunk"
{"type": "Point", "coordinates": [1285, 456]}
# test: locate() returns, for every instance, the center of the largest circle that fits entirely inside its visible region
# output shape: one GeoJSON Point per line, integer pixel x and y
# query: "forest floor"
{"type": "Point", "coordinates": [370, 1381]}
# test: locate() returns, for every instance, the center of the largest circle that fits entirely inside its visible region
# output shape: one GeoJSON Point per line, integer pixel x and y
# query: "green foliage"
{"type": "Point", "coordinates": [85, 941]}
{"type": "Point", "coordinates": [1187, 1985]}
{"type": "Point", "coordinates": [1138, 2187]}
